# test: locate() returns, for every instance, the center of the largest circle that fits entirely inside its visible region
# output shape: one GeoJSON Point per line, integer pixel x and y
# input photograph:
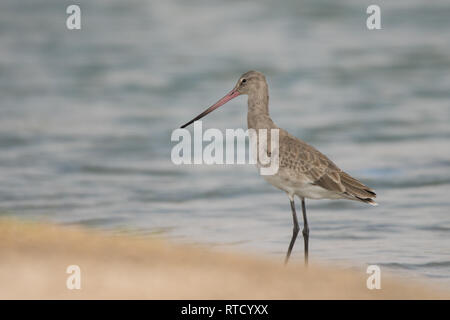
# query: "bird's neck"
{"type": "Point", "coordinates": [258, 109]}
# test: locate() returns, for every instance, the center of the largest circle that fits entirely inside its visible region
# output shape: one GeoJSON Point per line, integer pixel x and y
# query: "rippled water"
{"type": "Point", "coordinates": [86, 118]}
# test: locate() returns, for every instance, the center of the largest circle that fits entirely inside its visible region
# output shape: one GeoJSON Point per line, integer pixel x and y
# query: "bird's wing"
{"type": "Point", "coordinates": [320, 170]}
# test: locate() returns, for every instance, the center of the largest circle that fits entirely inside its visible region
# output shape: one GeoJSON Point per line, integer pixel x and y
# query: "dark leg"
{"type": "Point", "coordinates": [305, 230]}
{"type": "Point", "coordinates": [294, 232]}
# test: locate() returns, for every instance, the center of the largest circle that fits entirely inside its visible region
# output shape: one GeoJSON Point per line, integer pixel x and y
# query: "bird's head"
{"type": "Point", "coordinates": [249, 82]}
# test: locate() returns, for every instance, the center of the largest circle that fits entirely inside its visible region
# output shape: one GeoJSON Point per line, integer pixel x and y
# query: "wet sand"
{"type": "Point", "coordinates": [34, 258]}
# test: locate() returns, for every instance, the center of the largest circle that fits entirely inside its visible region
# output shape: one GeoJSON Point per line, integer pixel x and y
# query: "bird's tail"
{"type": "Point", "coordinates": [367, 200]}
{"type": "Point", "coordinates": [355, 190]}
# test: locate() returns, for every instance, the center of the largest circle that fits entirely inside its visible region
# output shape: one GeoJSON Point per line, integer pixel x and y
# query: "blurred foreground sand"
{"type": "Point", "coordinates": [34, 258]}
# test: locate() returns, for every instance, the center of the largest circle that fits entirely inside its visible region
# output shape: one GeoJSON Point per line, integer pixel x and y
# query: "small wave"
{"type": "Point", "coordinates": [346, 237]}
{"type": "Point", "coordinates": [411, 183]}
{"type": "Point", "coordinates": [95, 222]}
{"type": "Point", "coordinates": [128, 171]}
{"type": "Point", "coordinates": [435, 228]}
{"type": "Point", "coordinates": [415, 266]}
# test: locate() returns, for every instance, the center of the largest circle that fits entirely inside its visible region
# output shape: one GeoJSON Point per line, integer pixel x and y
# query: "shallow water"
{"type": "Point", "coordinates": [86, 118]}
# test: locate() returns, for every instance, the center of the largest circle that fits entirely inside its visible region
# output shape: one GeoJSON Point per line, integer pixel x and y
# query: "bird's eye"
{"type": "Point", "coordinates": [244, 80]}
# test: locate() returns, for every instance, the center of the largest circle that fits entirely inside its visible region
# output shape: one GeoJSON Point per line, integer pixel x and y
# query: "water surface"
{"type": "Point", "coordinates": [86, 118]}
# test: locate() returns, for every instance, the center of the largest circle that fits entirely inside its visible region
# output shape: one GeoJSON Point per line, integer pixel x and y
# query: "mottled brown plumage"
{"type": "Point", "coordinates": [305, 163]}
{"type": "Point", "coordinates": [303, 170]}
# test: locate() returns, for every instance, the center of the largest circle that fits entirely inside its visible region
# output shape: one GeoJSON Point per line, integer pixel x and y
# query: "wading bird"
{"type": "Point", "coordinates": [303, 170]}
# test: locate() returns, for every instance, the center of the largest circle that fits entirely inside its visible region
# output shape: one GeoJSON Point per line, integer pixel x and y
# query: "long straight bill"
{"type": "Point", "coordinates": [233, 94]}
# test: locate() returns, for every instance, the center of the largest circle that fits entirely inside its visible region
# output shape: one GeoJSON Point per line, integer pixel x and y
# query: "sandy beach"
{"type": "Point", "coordinates": [34, 259]}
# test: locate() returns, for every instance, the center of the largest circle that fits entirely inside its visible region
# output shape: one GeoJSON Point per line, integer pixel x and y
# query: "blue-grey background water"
{"type": "Point", "coordinates": [86, 118]}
